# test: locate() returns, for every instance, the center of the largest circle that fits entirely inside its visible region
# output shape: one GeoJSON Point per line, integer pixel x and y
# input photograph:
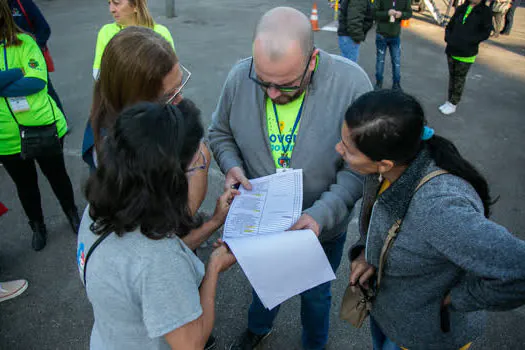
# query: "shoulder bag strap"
{"type": "Point", "coordinates": [90, 251]}
{"type": "Point", "coordinates": [394, 230]}
{"type": "Point", "coordinates": [5, 98]}
{"type": "Point", "coordinates": [25, 15]}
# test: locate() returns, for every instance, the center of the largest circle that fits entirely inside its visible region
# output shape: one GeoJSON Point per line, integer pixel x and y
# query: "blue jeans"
{"type": "Point", "coordinates": [315, 305]}
{"type": "Point", "coordinates": [379, 339]}
{"type": "Point", "coordinates": [394, 45]}
{"type": "Point", "coordinates": [349, 48]}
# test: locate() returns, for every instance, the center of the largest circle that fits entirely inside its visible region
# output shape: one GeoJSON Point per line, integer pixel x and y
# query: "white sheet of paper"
{"type": "Point", "coordinates": [283, 264]}
{"type": "Point", "coordinates": [278, 263]}
{"type": "Point", "coordinates": [274, 204]}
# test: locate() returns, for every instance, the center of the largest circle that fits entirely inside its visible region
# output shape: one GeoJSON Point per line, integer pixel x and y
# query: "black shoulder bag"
{"type": "Point", "coordinates": [36, 141]}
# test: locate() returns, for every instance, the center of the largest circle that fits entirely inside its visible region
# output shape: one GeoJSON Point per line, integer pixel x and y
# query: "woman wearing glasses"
{"type": "Point", "coordinates": [147, 289]}
{"type": "Point", "coordinates": [126, 13]}
{"type": "Point", "coordinates": [139, 65]}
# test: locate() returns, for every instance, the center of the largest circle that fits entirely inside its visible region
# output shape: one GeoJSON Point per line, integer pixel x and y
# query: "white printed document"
{"type": "Point", "coordinates": [278, 263]}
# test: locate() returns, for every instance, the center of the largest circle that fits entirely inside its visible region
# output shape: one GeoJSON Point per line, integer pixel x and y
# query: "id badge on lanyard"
{"type": "Point", "coordinates": [18, 104]}
{"type": "Point", "coordinates": [284, 160]}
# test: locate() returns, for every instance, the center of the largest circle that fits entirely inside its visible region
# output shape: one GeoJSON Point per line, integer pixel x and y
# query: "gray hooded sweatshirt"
{"type": "Point", "coordinates": [445, 245]}
{"type": "Point", "coordinates": [238, 136]}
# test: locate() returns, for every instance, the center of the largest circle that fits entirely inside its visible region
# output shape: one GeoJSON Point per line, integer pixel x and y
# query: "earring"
{"type": "Point", "coordinates": [380, 178]}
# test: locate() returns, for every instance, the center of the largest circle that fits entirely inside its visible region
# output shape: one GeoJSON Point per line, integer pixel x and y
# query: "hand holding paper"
{"type": "Point", "coordinates": [306, 222]}
{"type": "Point", "coordinates": [278, 263]}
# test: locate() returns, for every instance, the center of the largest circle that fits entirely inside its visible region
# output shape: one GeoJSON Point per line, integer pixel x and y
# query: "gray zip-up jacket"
{"type": "Point", "coordinates": [238, 136]}
{"type": "Point", "coordinates": [445, 245]}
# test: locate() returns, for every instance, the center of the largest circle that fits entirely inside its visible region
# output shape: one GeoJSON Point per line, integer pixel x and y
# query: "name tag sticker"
{"type": "Point", "coordinates": [19, 104]}
{"type": "Point", "coordinates": [282, 170]}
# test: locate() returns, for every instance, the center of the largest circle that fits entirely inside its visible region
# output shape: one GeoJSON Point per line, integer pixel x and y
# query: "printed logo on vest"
{"type": "Point", "coordinates": [33, 64]}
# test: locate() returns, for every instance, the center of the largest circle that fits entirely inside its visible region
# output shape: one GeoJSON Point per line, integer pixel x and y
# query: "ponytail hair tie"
{"type": "Point", "coordinates": [427, 134]}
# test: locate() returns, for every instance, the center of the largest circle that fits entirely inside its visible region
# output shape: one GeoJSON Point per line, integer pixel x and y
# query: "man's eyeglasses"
{"type": "Point", "coordinates": [282, 88]}
{"type": "Point", "coordinates": [186, 74]}
{"type": "Point", "coordinates": [199, 164]}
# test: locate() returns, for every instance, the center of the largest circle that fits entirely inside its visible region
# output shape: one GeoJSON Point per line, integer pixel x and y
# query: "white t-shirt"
{"type": "Point", "coordinates": [140, 289]}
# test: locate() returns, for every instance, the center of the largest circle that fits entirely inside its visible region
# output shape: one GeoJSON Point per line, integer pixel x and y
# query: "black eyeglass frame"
{"type": "Point", "coordinates": [282, 88]}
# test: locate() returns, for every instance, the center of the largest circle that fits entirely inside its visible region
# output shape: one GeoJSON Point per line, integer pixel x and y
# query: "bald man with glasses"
{"type": "Point", "coordinates": [283, 108]}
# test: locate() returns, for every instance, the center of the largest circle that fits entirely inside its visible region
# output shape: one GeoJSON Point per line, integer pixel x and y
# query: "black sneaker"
{"type": "Point", "coordinates": [210, 344]}
{"type": "Point", "coordinates": [39, 235]}
{"type": "Point", "coordinates": [248, 341]}
{"type": "Point", "coordinates": [396, 87]}
{"type": "Point", "coordinates": [379, 85]}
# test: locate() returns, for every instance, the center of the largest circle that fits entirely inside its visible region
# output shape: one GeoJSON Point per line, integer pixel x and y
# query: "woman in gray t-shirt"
{"type": "Point", "coordinates": [147, 288]}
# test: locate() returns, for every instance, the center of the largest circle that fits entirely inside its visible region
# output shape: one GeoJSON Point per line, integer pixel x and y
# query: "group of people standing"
{"type": "Point", "coordinates": [470, 25]}
{"type": "Point", "coordinates": [503, 13]}
{"type": "Point", "coordinates": [149, 161]}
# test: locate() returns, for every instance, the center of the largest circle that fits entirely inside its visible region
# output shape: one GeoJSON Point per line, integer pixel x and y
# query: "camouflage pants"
{"type": "Point", "coordinates": [457, 72]}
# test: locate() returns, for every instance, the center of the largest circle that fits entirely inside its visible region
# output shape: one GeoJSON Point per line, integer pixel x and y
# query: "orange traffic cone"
{"type": "Point", "coordinates": [314, 19]}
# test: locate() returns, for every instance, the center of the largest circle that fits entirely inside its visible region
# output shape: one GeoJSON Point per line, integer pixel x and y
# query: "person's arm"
{"type": "Point", "coordinates": [355, 18]}
{"type": "Point", "coordinates": [198, 179]}
{"type": "Point", "coordinates": [485, 27]}
{"type": "Point", "coordinates": [343, 13]}
{"type": "Point", "coordinates": [406, 13]}
{"type": "Point", "coordinates": [493, 259]}
{"type": "Point", "coordinates": [10, 76]}
{"type": "Point", "coordinates": [380, 13]}
{"type": "Point", "coordinates": [34, 68]}
{"type": "Point", "coordinates": [165, 34]}
{"type": "Point", "coordinates": [357, 248]}
{"type": "Point", "coordinates": [99, 50]}
{"type": "Point", "coordinates": [41, 28]}
{"type": "Point", "coordinates": [23, 87]}
{"type": "Point", "coordinates": [450, 26]}
{"type": "Point", "coordinates": [194, 335]}
{"type": "Point", "coordinates": [197, 236]}
{"type": "Point", "coordinates": [88, 147]}
{"type": "Point", "coordinates": [334, 205]}
{"type": "Point", "coordinates": [220, 136]}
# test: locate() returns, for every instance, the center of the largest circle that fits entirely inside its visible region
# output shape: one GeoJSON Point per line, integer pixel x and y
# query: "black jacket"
{"type": "Point", "coordinates": [383, 25]}
{"type": "Point", "coordinates": [355, 19]}
{"type": "Point", "coordinates": [463, 39]}
{"type": "Point", "coordinates": [38, 26]}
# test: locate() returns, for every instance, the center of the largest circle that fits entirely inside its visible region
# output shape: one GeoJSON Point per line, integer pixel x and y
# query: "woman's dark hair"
{"type": "Point", "coordinates": [141, 178]}
{"type": "Point", "coordinates": [387, 125]}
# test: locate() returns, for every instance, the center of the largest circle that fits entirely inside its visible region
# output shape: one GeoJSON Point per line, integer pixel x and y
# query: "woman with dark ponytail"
{"type": "Point", "coordinates": [448, 262]}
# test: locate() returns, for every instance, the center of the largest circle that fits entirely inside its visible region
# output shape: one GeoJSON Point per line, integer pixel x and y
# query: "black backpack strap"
{"type": "Point", "coordinates": [91, 249]}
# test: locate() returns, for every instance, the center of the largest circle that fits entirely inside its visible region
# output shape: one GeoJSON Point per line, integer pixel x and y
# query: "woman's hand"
{"type": "Point", "coordinates": [223, 205]}
{"type": "Point", "coordinates": [361, 271]}
{"type": "Point", "coordinates": [222, 257]}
